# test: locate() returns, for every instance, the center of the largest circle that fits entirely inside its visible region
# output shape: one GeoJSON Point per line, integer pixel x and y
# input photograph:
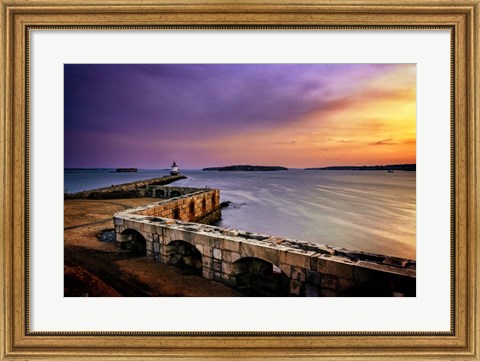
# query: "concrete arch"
{"type": "Point", "coordinates": [270, 255]}
{"type": "Point", "coordinates": [259, 277]}
{"type": "Point", "coordinates": [186, 240]}
{"type": "Point", "coordinates": [175, 193]}
{"type": "Point", "coordinates": [134, 240]}
{"type": "Point", "coordinates": [185, 255]}
{"type": "Point", "coordinates": [282, 268]}
{"type": "Point", "coordinates": [160, 193]}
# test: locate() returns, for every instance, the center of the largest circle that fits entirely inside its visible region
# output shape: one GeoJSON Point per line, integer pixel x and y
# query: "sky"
{"type": "Point", "coordinates": [205, 115]}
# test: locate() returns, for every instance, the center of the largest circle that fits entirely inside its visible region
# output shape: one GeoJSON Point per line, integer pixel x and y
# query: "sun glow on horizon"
{"type": "Point", "coordinates": [373, 127]}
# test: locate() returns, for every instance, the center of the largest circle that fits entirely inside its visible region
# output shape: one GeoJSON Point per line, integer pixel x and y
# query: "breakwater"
{"type": "Point", "coordinates": [126, 190]}
{"type": "Point", "coordinates": [170, 232]}
{"type": "Point", "coordinates": [184, 204]}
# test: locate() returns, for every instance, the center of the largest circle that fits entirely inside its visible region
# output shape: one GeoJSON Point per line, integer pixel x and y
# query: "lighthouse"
{"type": "Point", "coordinates": [174, 169]}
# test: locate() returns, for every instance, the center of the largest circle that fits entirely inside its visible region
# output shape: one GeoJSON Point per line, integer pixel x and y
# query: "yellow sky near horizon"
{"type": "Point", "coordinates": [375, 124]}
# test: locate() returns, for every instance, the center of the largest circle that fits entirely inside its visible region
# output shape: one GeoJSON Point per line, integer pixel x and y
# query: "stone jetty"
{"type": "Point", "coordinates": [126, 190]}
{"type": "Point", "coordinates": [169, 232]}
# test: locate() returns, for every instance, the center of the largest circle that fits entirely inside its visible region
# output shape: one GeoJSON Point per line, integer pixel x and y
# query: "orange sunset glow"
{"type": "Point", "coordinates": [370, 127]}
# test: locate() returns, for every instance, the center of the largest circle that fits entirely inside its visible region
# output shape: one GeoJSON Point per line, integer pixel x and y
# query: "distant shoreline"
{"type": "Point", "coordinates": [246, 168]}
{"type": "Point", "coordinates": [249, 168]}
{"type": "Point", "coordinates": [390, 167]}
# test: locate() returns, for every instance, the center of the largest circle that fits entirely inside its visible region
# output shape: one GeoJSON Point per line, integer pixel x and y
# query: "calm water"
{"type": "Point", "coordinates": [372, 211]}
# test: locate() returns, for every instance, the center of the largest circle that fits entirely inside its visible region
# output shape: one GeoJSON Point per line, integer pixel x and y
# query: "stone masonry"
{"type": "Point", "coordinates": [126, 190]}
{"type": "Point", "coordinates": [172, 233]}
{"type": "Point", "coordinates": [195, 205]}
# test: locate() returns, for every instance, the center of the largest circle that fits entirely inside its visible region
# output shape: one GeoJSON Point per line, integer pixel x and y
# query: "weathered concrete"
{"type": "Point", "coordinates": [195, 205]}
{"type": "Point", "coordinates": [168, 192]}
{"type": "Point", "coordinates": [126, 190]}
{"type": "Point", "coordinates": [262, 264]}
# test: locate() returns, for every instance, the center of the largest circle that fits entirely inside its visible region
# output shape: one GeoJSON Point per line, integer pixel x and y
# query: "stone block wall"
{"type": "Point", "coordinates": [268, 265]}
{"type": "Point", "coordinates": [134, 189]}
{"type": "Point", "coordinates": [200, 206]}
{"type": "Point", "coordinates": [168, 192]}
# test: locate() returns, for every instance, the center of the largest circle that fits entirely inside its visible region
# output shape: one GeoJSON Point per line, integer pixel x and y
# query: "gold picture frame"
{"type": "Point", "coordinates": [18, 16]}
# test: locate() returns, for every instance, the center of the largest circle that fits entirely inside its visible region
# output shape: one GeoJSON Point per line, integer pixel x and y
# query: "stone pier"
{"type": "Point", "coordinates": [176, 231]}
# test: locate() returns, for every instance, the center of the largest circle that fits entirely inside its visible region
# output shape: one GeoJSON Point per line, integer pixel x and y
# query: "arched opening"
{"type": "Point", "coordinates": [134, 241]}
{"type": "Point", "coordinates": [191, 208]}
{"type": "Point", "coordinates": [160, 193]}
{"type": "Point", "coordinates": [176, 213]}
{"type": "Point", "coordinates": [214, 201]}
{"type": "Point", "coordinates": [257, 277]}
{"type": "Point", "coordinates": [175, 193]}
{"type": "Point", "coordinates": [185, 256]}
{"type": "Point", "coordinates": [204, 204]}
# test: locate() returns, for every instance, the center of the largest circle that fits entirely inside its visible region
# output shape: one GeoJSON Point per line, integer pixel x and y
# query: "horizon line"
{"type": "Point", "coordinates": [254, 165]}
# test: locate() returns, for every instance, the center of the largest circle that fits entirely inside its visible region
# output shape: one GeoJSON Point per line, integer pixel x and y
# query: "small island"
{"type": "Point", "coordinates": [389, 167]}
{"type": "Point", "coordinates": [247, 168]}
{"type": "Point", "coordinates": [126, 170]}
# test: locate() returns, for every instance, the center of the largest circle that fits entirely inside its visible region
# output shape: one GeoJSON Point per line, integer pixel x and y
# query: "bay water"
{"type": "Point", "coordinates": [371, 211]}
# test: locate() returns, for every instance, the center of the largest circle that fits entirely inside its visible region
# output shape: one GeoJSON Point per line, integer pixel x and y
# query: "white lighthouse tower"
{"type": "Point", "coordinates": [174, 169]}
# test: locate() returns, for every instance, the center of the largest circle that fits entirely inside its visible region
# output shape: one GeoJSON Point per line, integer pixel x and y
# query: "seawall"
{"type": "Point", "coordinates": [170, 232]}
{"type": "Point", "coordinates": [187, 204]}
{"type": "Point", "coordinates": [125, 190]}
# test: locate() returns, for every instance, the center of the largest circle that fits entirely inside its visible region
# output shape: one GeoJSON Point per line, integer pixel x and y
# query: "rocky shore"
{"type": "Point", "coordinates": [125, 190]}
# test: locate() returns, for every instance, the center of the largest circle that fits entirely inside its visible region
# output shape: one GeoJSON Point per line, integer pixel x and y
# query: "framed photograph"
{"type": "Point", "coordinates": [239, 180]}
